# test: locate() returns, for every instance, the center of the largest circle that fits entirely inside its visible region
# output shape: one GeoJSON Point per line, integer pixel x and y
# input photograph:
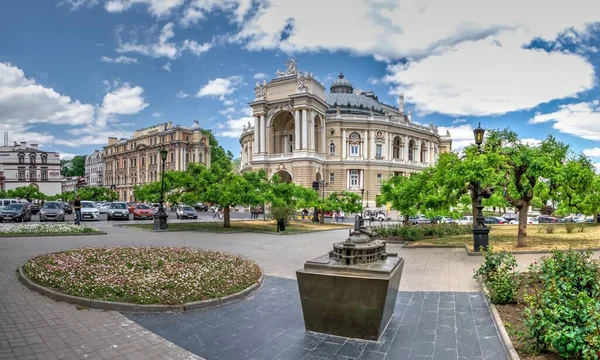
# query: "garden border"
{"type": "Point", "coordinates": [128, 226]}
{"type": "Point", "coordinates": [54, 234]}
{"type": "Point", "coordinates": [477, 253]}
{"type": "Point", "coordinates": [137, 308]}
{"type": "Point", "coordinates": [507, 344]}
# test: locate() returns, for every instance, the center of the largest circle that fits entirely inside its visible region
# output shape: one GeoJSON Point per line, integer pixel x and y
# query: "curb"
{"type": "Point", "coordinates": [47, 235]}
{"type": "Point", "coordinates": [136, 308]}
{"type": "Point", "coordinates": [230, 232]}
{"type": "Point", "coordinates": [509, 349]}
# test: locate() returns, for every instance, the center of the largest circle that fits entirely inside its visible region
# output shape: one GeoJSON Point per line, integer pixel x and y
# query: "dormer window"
{"type": "Point", "coordinates": [21, 158]}
{"type": "Point", "coordinates": [32, 158]}
{"type": "Point", "coordinates": [44, 158]}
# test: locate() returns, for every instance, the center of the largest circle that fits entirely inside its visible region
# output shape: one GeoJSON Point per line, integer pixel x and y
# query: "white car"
{"type": "Point", "coordinates": [465, 220]}
{"type": "Point", "coordinates": [103, 209]}
{"type": "Point", "coordinates": [89, 211]}
{"type": "Point", "coordinates": [530, 220]}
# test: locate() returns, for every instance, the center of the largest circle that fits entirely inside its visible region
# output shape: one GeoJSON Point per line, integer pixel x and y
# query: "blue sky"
{"type": "Point", "coordinates": [73, 72]}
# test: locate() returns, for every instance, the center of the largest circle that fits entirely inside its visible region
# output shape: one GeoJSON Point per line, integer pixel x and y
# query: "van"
{"type": "Point", "coordinates": [4, 202]}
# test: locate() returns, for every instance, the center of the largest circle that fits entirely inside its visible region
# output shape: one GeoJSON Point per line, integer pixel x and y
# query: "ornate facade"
{"type": "Point", "coordinates": [346, 138]}
{"type": "Point", "coordinates": [136, 161]}
{"type": "Point", "coordinates": [24, 165]}
{"type": "Point", "coordinates": [94, 169]}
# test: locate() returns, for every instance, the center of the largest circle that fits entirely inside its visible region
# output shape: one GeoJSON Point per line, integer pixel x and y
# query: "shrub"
{"type": "Point", "coordinates": [498, 274]}
{"type": "Point", "coordinates": [581, 227]}
{"type": "Point", "coordinates": [418, 232]}
{"type": "Point", "coordinates": [282, 212]}
{"type": "Point", "coordinates": [563, 314]}
{"type": "Point", "coordinates": [570, 227]}
{"type": "Point", "coordinates": [550, 228]}
{"type": "Point", "coordinates": [546, 210]}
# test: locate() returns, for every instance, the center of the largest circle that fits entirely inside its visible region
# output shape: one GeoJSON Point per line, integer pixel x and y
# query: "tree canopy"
{"type": "Point", "coordinates": [73, 167]}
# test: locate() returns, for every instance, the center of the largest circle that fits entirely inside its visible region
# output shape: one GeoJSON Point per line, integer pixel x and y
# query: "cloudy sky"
{"type": "Point", "coordinates": [74, 72]}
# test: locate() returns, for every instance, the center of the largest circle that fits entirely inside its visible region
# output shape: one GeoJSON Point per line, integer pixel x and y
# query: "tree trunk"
{"type": "Point", "coordinates": [405, 221]}
{"type": "Point", "coordinates": [226, 217]}
{"type": "Point", "coordinates": [522, 234]}
{"type": "Point", "coordinates": [596, 218]}
{"type": "Point", "coordinates": [322, 219]}
{"type": "Point", "coordinates": [474, 205]}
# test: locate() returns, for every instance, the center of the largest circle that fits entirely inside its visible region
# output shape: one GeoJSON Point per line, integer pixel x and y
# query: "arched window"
{"type": "Point", "coordinates": [423, 152]}
{"type": "Point", "coordinates": [354, 136]}
{"type": "Point", "coordinates": [396, 148]}
{"type": "Point", "coordinates": [411, 149]}
{"type": "Point", "coordinates": [332, 149]}
{"type": "Point", "coordinates": [44, 158]}
{"type": "Point", "coordinates": [21, 158]}
{"type": "Point", "coordinates": [32, 158]}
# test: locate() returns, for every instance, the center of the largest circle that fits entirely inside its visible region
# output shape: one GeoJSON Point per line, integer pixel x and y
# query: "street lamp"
{"type": "Point", "coordinates": [362, 194]}
{"type": "Point", "coordinates": [481, 232]}
{"type": "Point", "coordinates": [160, 221]}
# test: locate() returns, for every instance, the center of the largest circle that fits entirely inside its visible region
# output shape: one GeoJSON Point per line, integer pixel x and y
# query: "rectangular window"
{"type": "Point", "coordinates": [379, 179]}
{"type": "Point", "coordinates": [378, 150]}
{"type": "Point", "coordinates": [332, 149]}
{"type": "Point", "coordinates": [172, 157]}
{"type": "Point", "coordinates": [187, 138]}
{"type": "Point", "coordinates": [171, 136]}
{"type": "Point", "coordinates": [143, 160]}
{"type": "Point", "coordinates": [354, 149]}
{"type": "Point", "coordinates": [353, 177]}
{"type": "Point", "coordinates": [44, 174]}
{"type": "Point", "coordinates": [187, 157]}
{"type": "Point", "coordinates": [331, 177]}
{"type": "Point", "coordinates": [193, 157]}
{"type": "Point", "coordinates": [21, 174]}
{"type": "Point", "coordinates": [32, 174]}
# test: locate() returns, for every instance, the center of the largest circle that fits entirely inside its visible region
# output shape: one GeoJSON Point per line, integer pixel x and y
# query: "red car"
{"type": "Point", "coordinates": [131, 207]}
{"type": "Point", "coordinates": [142, 211]}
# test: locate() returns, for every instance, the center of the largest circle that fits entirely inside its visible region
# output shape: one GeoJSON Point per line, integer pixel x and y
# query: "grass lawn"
{"type": "Point", "coordinates": [294, 227]}
{"type": "Point", "coordinates": [504, 237]}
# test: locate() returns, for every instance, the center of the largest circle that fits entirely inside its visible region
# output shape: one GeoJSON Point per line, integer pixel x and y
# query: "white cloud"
{"type": "Point", "coordinates": [195, 47]}
{"type": "Point", "coordinates": [66, 156]}
{"type": "Point", "coordinates": [593, 152]}
{"type": "Point", "coordinates": [229, 110]}
{"type": "Point", "coordinates": [76, 4]}
{"type": "Point", "coordinates": [125, 100]}
{"type": "Point", "coordinates": [579, 119]}
{"type": "Point", "coordinates": [167, 66]}
{"type": "Point", "coordinates": [373, 80]}
{"type": "Point", "coordinates": [459, 121]}
{"type": "Point", "coordinates": [198, 9]}
{"type": "Point", "coordinates": [228, 102]}
{"type": "Point", "coordinates": [119, 60]}
{"type": "Point", "coordinates": [156, 45]}
{"type": "Point", "coordinates": [462, 135]}
{"type": "Point", "coordinates": [182, 95]}
{"type": "Point", "coordinates": [260, 76]}
{"type": "Point", "coordinates": [157, 8]}
{"type": "Point", "coordinates": [233, 128]}
{"type": "Point", "coordinates": [220, 87]}
{"type": "Point", "coordinates": [531, 141]}
{"type": "Point", "coordinates": [156, 114]}
{"type": "Point", "coordinates": [23, 101]}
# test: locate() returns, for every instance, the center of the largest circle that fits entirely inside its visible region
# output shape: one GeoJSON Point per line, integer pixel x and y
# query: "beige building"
{"type": "Point", "coordinates": [346, 138]}
{"type": "Point", "coordinates": [136, 161]}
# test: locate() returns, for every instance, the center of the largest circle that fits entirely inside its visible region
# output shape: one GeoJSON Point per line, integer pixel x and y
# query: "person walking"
{"type": "Point", "coordinates": [77, 208]}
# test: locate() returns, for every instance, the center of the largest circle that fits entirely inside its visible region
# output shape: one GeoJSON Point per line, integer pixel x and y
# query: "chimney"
{"type": "Point", "coordinates": [33, 146]}
{"type": "Point", "coordinates": [409, 116]}
{"type": "Point", "coordinates": [112, 140]}
{"type": "Point", "coordinates": [401, 103]}
{"type": "Point", "coordinates": [23, 144]}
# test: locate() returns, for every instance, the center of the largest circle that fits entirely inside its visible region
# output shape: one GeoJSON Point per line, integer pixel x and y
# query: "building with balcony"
{"type": "Point", "coordinates": [346, 138]}
{"type": "Point", "coordinates": [94, 169]}
{"type": "Point", "coordinates": [136, 161]}
{"type": "Point", "coordinates": [24, 165]}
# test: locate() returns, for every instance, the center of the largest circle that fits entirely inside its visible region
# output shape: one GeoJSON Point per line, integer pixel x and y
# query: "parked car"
{"type": "Point", "coordinates": [52, 211]}
{"type": "Point", "coordinates": [530, 220]}
{"type": "Point", "coordinates": [574, 219]}
{"type": "Point", "coordinates": [118, 210]}
{"type": "Point", "coordinates": [443, 220]}
{"type": "Point", "coordinates": [510, 217]}
{"type": "Point", "coordinates": [373, 215]}
{"type": "Point", "coordinates": [4, 202]}
{"type": "Point", "coordinates": [16, 212]}
{"type": "Point", "coordinates": [143, 211]}
{"type": "Point", "coordinates": [495, 220]}
{"type": "Point", "coordinates": [103, 209]}
{"type": "Point", "coordinates": [545, 219]}
{"type": "Point", "coordinates": [33, 208]}
{"type": "Point", "coordinates": [67, 208]}
{"type": "Point", "coordinates": [186, 212]}
{"type": "Point", "coordinates": [419, 219]}
{"type": "Point", "coordinates": [89, 211]}
{"type": "Point", "coordinates": [465, 220]}
{"type": "Point", "coordinates": [201, 207]}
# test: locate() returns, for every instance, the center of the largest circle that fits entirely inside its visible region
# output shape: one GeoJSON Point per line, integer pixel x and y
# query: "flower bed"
{"type": "Point", "coordinates": [143, 275]}
{"type": "Point", "coordinates": [552, 311]}
{"type": "Point", "coordinates": [422, 231]}
{"type": "Point", "coordinates": [45, 229]}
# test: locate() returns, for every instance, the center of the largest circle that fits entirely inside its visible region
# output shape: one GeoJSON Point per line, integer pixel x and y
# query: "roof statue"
{"type": "Point", "coordinates": [249, 126]}
{"type": "Point", "coordinates": [260, 90]}
{"type": "Point", "coordinates": [447, 132]}
{"type": "Point", "coordinates": [291, 68]}
{"type": "Point", "coordinates": [301, 85]}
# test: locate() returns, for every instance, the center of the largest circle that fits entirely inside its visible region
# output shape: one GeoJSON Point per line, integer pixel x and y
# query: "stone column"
{"type": "Point", "coordinates": [304, 129]}
{"type": "Point", "coordinates": [418, 159]}
{"type": "Point", "coordinates": [324, 145]}
{"type": "Point", "coordinates": [263, 133]}
{"type": "Point", "coordinates": [256, 133]}
{"type": "Point", "coordinates": [347, 179]}
{"type": "Point", "coordinates": [343, 144]}
{"type": "Point", "coordinates": [365, 138]}
{"type": "Point", "coordinates": [251, 151]}
{"type": "Point", "coordinates": [297, 129]}
{"type": "Point", "coordinates": [373, 144]}
{"type": "Point", "coordinates": [312, 130]}
{"type": "Point", "coordinates": [176, 151]}
{"type": "Point", "coordinates": [406, 147]}
{"type": "Point", "coordinates": [286, 141]}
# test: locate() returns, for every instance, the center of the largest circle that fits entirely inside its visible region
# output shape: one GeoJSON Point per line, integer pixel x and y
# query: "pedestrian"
{"type": "Point", "coordinates": [77, 207]}
{"type": "Point", "coordinates": [217, 212]}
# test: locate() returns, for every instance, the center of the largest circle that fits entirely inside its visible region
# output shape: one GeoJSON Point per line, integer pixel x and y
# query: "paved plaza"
{"type": "Point", "coordinates": [35, 327]}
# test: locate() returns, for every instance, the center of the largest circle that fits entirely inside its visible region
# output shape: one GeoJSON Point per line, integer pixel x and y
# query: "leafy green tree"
{"type": "Point", "coordinates": [524, 166]}
{"type": "Point", "coordinates": [574, 186]}
{"type": "Point", "coordinates": [73, 167]}
{"type": "Point", "coordinates": [26, 192]}
{"type": "Point", "coordinates": [97, 193]}
{"type": "Point", "coordinates": [404, 193]}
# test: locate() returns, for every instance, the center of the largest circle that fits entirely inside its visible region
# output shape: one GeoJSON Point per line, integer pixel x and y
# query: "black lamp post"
{"type": "Point", "coordinates": [160, 219]}
{"type": "Point", "coordinates": [481, 232]}
{"type": "Point", "coordinates": [362, 194]}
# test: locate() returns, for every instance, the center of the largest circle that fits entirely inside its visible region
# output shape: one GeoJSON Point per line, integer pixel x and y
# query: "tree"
{"type": "Point", "coordinates": [404, 193]}
{"type": "Point", "coordinates": [97, 193]}
{"type": "Point", "coordinates": [573, 185]}
{"type": "Point", "coordinates": [524, 166]}
{"type": "Point", "coordinates": [73, 167]}
{"type": "Point", "coordinates": [26, 192]}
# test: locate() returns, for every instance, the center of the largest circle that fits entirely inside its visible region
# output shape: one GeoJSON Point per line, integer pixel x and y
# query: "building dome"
{"type": "Point", "coordinates": [341, 86]}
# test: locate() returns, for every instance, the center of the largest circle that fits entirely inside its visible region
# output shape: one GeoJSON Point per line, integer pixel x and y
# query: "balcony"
{"type": "Point", "coordinates": [301, 154]}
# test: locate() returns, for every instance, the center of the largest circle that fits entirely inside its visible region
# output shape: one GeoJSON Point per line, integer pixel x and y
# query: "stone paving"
{"type": "Point", "coordinates": [35, 327]}
{"type": "Point", "coordinates": [268, 325]}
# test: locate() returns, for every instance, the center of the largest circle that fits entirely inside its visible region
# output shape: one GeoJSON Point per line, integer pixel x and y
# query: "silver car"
{"type": "Point", "coordinates": [103, 209]}
{"type": "Point", "coordinates": [118, 210]}
{"type": "Point", "coordinates": [89, 211]}
{"type": "Point", "coordinates": [52, 211]}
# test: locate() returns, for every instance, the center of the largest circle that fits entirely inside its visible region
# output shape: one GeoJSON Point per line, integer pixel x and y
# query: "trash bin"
{"type": "Point", "coordinates": [281, 224]}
